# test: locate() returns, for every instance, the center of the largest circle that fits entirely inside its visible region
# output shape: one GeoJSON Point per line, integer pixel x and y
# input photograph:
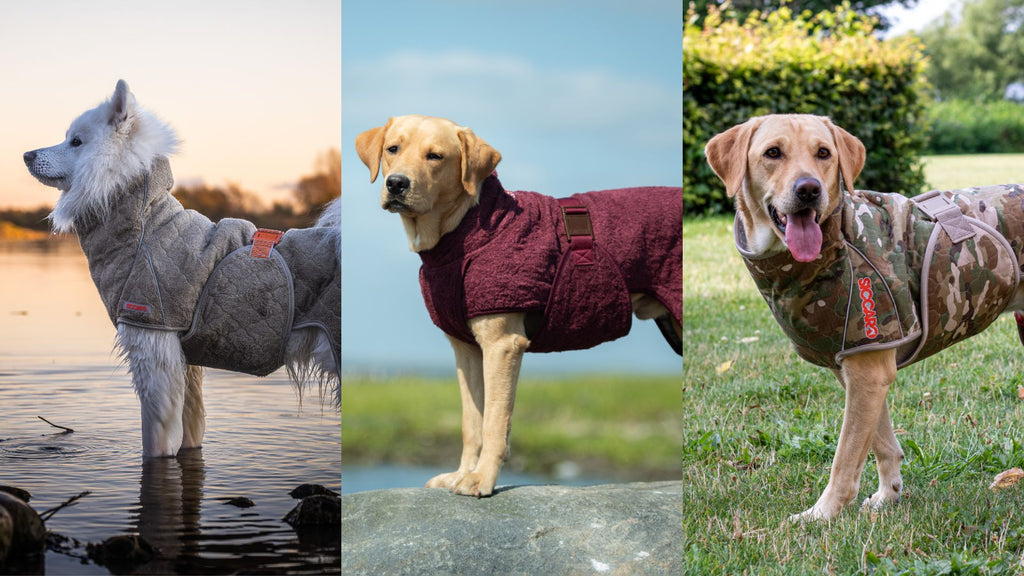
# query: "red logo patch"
{"type": "Point", "coordinates": [136, 307]}
{"type": "Point", "coordinates": [867, 305]}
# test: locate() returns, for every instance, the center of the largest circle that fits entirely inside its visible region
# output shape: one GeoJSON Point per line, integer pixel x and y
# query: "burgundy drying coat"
{"type": "Point", "coordinates": [511, 253]}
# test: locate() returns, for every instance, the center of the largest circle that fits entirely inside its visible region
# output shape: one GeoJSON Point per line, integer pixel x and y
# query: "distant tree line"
{"type": "Point", "coordinates": [308, 198]}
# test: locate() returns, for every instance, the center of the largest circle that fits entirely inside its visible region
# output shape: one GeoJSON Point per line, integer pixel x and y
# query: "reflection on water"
{"type": "Point", "coordinates": [56, 361]}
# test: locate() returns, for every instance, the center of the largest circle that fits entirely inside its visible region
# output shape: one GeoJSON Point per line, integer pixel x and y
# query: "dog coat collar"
{"type": "Point", "coordinates": [513, 253]}
{"type": "Point", "coordinates": [916, 275]}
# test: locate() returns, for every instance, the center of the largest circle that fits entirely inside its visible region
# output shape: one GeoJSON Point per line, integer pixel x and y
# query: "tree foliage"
{"type": "Point", "coordinates": [741, 9]}
{"type": "Point", "coordinates": [975, 55]}
{"type": "Point", "coordinates": [830, 64]}
{"type": "Point", "coordinates": [309, 196]}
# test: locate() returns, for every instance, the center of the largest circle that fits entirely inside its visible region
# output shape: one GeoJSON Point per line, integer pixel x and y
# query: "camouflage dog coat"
{"type": "Point", "coordinates": [913, 274]}
{"type": "Point", "coordinates": [159, 266]}
{"type": "Point", "coordinates": [512, 253]}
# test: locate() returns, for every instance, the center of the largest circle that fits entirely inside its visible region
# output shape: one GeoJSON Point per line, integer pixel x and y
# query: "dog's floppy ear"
{"type": "Point", "coordinates": [479, 160]}
{"type": "Point", "coordinates": [370, 146]}
{"type": "Point", "coordinates": [122, 108]}
{"type": "Point", "coordinates": [850, 151]}
{"type": "Point", "coordinates": [727, 154]}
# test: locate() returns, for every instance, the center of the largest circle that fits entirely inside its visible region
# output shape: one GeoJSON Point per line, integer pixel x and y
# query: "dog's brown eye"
{"type": "Point", "coordinates": [773, 152]}
{"type": "Point", "coordinates": [824, 153]}
{"type": "Point", "coordinates": [392, 149]}
{"type": "Point", "coordinates": [76, 142]}
{"type": "Point", "coordinates": [433, 156]}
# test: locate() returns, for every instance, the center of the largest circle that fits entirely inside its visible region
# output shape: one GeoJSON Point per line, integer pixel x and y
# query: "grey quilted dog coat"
{"type": "Point", "coordinates": [159, 266]}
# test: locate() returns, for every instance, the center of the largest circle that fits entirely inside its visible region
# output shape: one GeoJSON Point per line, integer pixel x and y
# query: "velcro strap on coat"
{"type": "Point", "coordinates": [263, 241]}
{"type": "Point", "coordinates": [946, 214]}
{"type": "Point", "coordinates": [579, 230]}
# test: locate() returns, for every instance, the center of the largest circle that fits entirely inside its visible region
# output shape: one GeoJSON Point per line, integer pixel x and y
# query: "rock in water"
{"type": "Point", "coordinates": [617, 529]}
{"type": "Point", "coordinates": [315, 510]}
{"type": "Point", "coordinates": [22, 532]}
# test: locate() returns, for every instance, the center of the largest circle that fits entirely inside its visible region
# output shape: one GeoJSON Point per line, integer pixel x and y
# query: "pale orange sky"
{"type": "Point", "coordinates": [253, 88]}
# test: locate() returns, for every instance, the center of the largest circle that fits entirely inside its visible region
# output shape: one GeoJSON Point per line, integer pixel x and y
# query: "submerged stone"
{"type": "Point", "coordinates": [126, 549]}
{"type": "Point", "coordinates": [22, 532]}
{"type": "Point", "coordinates": [316, 510]}
{"type": "Point", "coordinates": [311, 489]}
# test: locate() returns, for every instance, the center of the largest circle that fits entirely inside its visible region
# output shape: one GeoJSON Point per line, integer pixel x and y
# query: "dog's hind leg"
{"type": "Point", "coordinates": [866, 378]}
{"type": "Point", "coordinates": [193, 415]}
{"type": "Point", "coordinates": [889, 456]}
{"type": "Point", "coordinates": [470, 371]}
{"type": "Point", "coordinates": [157, 366]}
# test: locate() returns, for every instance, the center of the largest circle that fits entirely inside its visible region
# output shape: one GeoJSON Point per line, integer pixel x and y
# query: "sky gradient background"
{"type": "Point", "coordinates": [576, 96]}
{"type": "Point", "coordinates": [253, 88]}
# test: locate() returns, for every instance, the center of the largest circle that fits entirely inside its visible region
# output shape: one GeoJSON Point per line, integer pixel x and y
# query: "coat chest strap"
{"type": "Point", "coordinates": [946, 214]}
{"type": "Point", "coordinates": [578, 228]}
{"type": "Point", "coordinates": [263, 242]}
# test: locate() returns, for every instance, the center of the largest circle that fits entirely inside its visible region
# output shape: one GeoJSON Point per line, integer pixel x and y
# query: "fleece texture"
{"type": "Point", "coordinates": [511, 253]}
{"type": "Point", "coordinates": [917, 275]}
{"type": "Point", "coordinates": [157, 265]}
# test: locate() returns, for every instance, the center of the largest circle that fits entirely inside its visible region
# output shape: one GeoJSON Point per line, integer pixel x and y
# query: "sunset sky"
{"type": "Point", "coordinates": [253, 88]}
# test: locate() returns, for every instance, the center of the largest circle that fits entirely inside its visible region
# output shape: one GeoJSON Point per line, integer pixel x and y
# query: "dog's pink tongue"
{"type": "Point", "coordinates": [803, 236]}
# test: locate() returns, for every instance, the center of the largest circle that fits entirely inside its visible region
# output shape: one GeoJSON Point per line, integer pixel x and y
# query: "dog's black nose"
{"type": "Point", "coordinates": [397, 184]}
{"type": "Point", "coordinates": [29, 157]}
{"type": "Point", "coordinates": [807, 189]}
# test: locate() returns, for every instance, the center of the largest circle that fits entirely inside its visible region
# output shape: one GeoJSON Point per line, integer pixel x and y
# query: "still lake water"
{"type": "Point", "coordinates": [57, 361]}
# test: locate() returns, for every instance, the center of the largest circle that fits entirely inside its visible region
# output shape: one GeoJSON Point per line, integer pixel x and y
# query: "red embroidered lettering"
{"type": "Point", "coordinates": [136, 307]}
{"type": "Point", "coordinates": [867, 306]}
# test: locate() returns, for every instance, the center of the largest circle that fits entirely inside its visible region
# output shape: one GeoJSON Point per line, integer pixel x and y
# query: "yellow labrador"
{"type": "Point", "coordinates": [820, 257]}
{"type": "Point", "coordinates": [435, 174]}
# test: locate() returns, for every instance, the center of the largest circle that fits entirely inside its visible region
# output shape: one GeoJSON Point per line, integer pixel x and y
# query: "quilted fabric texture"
{"type": "Point", "coordinates": [151, 261]}
{"type": "Point", "coordinates": [510, 254]}
{"type": "Point", "coordinates": [917, 275]}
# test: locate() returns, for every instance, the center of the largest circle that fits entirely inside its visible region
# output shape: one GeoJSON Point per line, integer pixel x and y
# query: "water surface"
{"type": "Point", "coordinates": [57, 361]}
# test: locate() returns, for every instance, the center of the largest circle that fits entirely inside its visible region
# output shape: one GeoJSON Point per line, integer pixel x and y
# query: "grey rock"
{"type": "Point", "coordinates": [611, 529]}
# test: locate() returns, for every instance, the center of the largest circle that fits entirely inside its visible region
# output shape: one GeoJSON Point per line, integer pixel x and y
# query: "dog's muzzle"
{"type": "Point", "coordinates": [397, 185]}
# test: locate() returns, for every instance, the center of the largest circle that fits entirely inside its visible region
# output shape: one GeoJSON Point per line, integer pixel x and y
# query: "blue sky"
{"type": "Point", "coordinates": [576, 96]}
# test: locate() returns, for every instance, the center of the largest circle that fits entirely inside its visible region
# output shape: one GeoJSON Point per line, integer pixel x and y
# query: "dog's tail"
{"type": "Point", "coordinates": [331, 215]}
{"type": "Point", "coordinates": [331, 218]}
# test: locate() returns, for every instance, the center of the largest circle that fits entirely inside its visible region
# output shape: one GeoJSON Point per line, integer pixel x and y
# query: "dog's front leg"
{"type": "Point", "coordinates": [157, 366]}
{"type": "Point", "coordinates": [889, 456]}
{"type": "Point", "coordinates": [502, 339]}
{"type": "Point", "coordinates": [193, 416]}
{"type": "Point", "coordinates": [866, 378]}
{"type": "Point", "coordinates": [469, 368]}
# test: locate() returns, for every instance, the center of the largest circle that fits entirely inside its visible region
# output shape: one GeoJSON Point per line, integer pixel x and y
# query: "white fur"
{"type": "Point", "coordinates": [105, 149]}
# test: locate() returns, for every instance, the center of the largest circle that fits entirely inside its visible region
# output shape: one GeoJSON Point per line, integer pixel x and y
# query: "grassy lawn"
{"type": "Point", "coordinates": [613, 426]}
{"type": "Point", "coordinates": [760, 427]}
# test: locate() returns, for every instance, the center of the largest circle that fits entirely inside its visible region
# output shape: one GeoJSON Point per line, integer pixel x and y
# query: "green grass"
{"type": "Point", "coordinates": [760, 427]}
{"type": "Point", "coordinates": [614, 426]}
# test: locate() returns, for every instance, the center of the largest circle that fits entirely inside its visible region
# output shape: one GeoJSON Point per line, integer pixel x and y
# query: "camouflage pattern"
{"type": "Point", "coordinates": [915, 274]}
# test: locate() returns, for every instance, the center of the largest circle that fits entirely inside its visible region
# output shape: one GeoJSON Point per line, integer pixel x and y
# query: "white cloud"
{"type": "Point", "coordinates": [474, 88]}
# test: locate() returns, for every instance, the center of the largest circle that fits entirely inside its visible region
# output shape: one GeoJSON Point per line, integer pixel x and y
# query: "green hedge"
{"type": "Point", "coordinates": [964, 127]}
{"type": "Point", "coordinates": [828, 64]}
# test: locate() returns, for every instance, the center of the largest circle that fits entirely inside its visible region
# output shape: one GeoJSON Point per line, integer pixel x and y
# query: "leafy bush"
{"type": "Point", "coordinates": [828, 64]}
{"type": "Point", "coordinates": [967, 127]}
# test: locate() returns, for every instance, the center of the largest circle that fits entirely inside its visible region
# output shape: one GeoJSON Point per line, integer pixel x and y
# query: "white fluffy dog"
{"type": "Point", "coordinates": [182, 291]}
